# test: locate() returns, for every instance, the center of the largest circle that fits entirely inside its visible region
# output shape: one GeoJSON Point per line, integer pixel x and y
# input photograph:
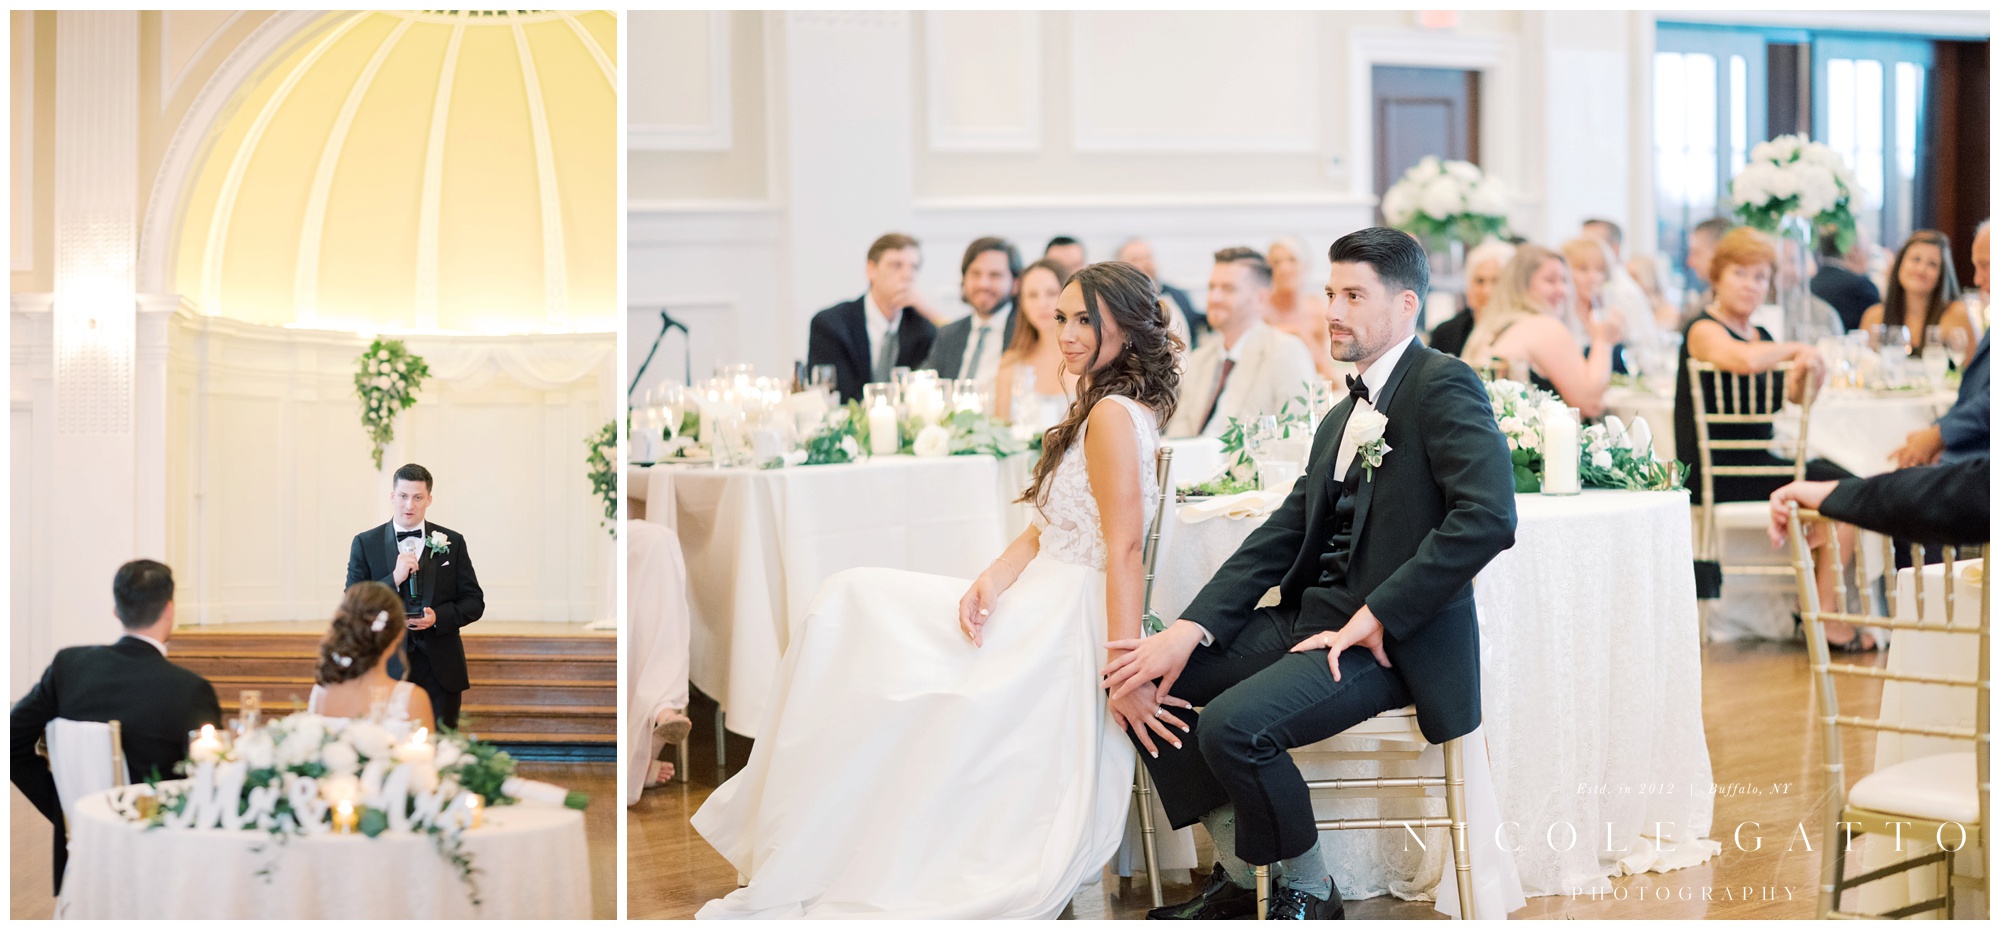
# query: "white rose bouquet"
{"type": "Point", "coordinates": [1621, 458]}
{"type": "Point", "coordinates": [386, 378]}
{"type": "Point", "coordinates": [1791, 176]}
{"type": "Point", "coordinates": [1439, 200]}
{"type": "Point", "coordinates": [1517, 407]}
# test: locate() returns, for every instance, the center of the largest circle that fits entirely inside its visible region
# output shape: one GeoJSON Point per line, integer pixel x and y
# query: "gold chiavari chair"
{"type": "Point", "coordinates": [1738, 400]}
{"type": "Point", "coordinates": [1924, 796]}
{"type": "Point", "coordinates": [1142, 781]}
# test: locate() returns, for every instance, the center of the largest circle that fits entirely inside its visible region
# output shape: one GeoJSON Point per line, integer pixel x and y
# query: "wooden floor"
{"type": "Point", "coordinates": [1755, 706]}
{"type": "Point", "coordinates": [28, 842]}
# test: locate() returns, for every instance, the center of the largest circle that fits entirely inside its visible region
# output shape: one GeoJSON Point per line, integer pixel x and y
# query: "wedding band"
{"type": "Point", "coordinates": [1159, 711]}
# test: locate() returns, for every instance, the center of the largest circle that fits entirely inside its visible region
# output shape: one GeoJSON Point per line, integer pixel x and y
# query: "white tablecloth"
{"type": "Point", "coordinates": [759, 542]}
{"type": "Point", "coordinates": [1855, 429]}
{"type": "Point", "coordinates": [656, 642]}
{"type": "Point", "coordinates": [1595, 683]}
{"type": "Point", "coordinates": [532, 865]}
{"type": "Point", "coordinates": [1923, 653]}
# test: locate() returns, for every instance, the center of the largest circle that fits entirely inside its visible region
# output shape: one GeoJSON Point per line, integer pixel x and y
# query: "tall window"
{"type": "Point", "coordinates": [1708, 110]}
{"type": "Point", "coordinates": [1869, 104]}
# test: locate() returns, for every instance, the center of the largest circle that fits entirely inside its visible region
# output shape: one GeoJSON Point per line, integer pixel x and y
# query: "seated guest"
{"type": "Point", "coordinates": [1297, 309]}
{"type": "Point", "coordinates": [1923, 292]}
{"type": "Point", "coordinates": [1701, 242]}
{"type": "Point", "coordinates": [1620, 290]}
{"type": "Point", "coordinates": [1964, 432]}
{"type": "Point", "coordinates": [1842, 279]}
{"type": "Point", "coordinates": [1067, 251]}
{"type": "Point", "coordinates": [970, 347]}
{"type": "Point", "coordinates": [1192, 324]}
{"type": "Point", "coordinates": [155, 702]}
{"type": "Point", "coordinates": [883, 329]}
{"type": "Point", "coordinates": [1740, 275]}
{"type": "Point", "coordinates": [1945, 505]}
{"type": "Point", "coordinates": [1527, 329]}
{"type": "Point", "coordinates": [1594, 272]}
{"type": "Point", "coordinates": [1033, 366]}
{"type": "Point", "coordinates": [1252, 369]}
{"type": "Point", "coordinates": [351, 678]}
{"type": "Point", "coordinates": [1482, 272]}
{"type": "Point", "coordinates": [1645, 271]}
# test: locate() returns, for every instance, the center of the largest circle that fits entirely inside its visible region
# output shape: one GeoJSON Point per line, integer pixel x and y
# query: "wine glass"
{"type": "Point", "coordinates": [823, 379]}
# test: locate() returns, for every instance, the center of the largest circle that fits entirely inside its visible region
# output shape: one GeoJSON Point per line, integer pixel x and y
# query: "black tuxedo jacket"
{"type": "Point", "coordinates": [1440, 506]}
{"type": "Point", "coordinates": [1197, 320]}
{"type": "Point", "coordinates": [445, 582]}
{"type": "Point", "coordinates": [155, 702]}
{"type": "Point", "coordinates": [1934, 504]}
{"type": "Point", "coordinates": [839, 337]}
{"type": "Point", "coordinates": [948, 352]}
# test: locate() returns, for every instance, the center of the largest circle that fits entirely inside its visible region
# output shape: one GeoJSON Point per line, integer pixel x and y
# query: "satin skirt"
{"type": "Point", "coordinates": [904, 772]}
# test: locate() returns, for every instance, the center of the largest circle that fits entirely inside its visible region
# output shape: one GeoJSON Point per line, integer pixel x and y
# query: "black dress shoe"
{"type": "Point", "coordinates": [1219, 900]}
{"type": "Point", "coordinates": [1293, 904]}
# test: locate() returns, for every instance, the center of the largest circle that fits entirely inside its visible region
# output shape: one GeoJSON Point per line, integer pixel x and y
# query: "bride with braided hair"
{"type": "Point", "coordinates": [943, 749]}
{"type": "Point", "coordinates": [351, 678]}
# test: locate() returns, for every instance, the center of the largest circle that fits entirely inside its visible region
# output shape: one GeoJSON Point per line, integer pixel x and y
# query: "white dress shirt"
{"type": "Point", "coordinates": [156, 644]}
{"type": "Point", "coordinates": [995, 327]}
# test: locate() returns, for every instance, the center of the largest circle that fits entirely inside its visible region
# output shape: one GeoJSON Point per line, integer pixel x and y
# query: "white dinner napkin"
{"type": "Point", "coordinates": [1233, 506]}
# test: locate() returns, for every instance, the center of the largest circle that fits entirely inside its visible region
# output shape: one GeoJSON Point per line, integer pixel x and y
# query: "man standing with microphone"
{"type": "Point", "coordinates": [429, 565]}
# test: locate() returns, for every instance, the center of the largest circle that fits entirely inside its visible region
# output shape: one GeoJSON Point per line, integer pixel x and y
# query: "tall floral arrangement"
{"type": "Point", "coordinates": [1792, 177]}
{"type": "Point", "coordinates": [386, 378]}
{"type": "Point", "coordinates": [603, 462]}
{"type": "Point", "coordinates": [1440, 201]}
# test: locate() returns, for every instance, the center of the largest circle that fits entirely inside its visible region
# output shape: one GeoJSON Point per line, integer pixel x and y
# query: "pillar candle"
{"type": "Point", "coordinates": [882, 436]}
{"type": "Point", "coordinates": [1561, 453]}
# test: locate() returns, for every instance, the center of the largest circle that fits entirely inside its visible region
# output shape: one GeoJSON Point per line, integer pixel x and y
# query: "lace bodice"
{"type": "Point", "coordinates": [1068, 519]}
{"type": "Point", "coordinates": [396, 708]}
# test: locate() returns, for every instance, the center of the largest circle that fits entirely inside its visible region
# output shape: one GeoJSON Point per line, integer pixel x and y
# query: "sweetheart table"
{"type": "Point", "coordinates": [532, 865]}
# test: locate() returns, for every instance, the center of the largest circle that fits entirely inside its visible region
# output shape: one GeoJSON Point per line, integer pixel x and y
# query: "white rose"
{"type": "Point", "coordinates": [370, 740]}
{"type": "Point", "coordinates": [1243, 470]}
{"type": "Point", "coordinates": [382, 353]}
{"type": "Point", "coordinates": [1763, 151]}
{"type": "Point", "coordinates": [1425, 167]}
{"type": "Point", "coordinates": [1442, 198]}
{"type": "Point", "coordinates": [423, 778]}
{"type": "Point", "coordinates": [1531, 439]}
{"type": "Point", "coordinates": [1782, 183]}
{"type": "Point", "coordinates": [1365, 425]}
{"type": "Point", "coordinates": [848, 446]}
{"type": "Point", "coordinates": [1465, 171]}
{"type": "Point", "coordinates": [340, 758]}
{"type": "Point", "coordinates": [447, 753]}
{"type": "Point", "coordinates": [1399, 205]}
{"type": "Point", "coordinates": [1601, 458]}
{"type": "Point", "coordinates": [1512, 426]}
{"type": "Point", "coordinates": [933, 442]}
{"type": "Point", "coordinates": [438, 538]}
{"type": "Point", "coordinates": [1785, 147]}
{"type": "Point", "coordinates": [1488, 198]}
{"type": "Point", "coordinates": [256, 750]}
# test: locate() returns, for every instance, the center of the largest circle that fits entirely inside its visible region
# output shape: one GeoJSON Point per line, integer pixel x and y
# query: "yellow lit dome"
{"type": "Point", "coordinates": [430, 171]}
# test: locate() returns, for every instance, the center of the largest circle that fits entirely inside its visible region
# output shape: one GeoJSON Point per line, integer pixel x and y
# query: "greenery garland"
{"type": "Point", "coordinates": [386, 378]}
{"type": "Point", "coordinates": [604, 472]}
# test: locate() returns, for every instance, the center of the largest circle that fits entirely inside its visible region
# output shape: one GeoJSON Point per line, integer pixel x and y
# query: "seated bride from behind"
{"type": "Point", "coordinates": [352, 678]}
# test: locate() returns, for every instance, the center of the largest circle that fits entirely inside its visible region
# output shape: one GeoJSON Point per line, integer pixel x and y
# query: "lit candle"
{"type": "Point", "coordinates": [344, 819]}
{"type": "Point", "coordinates": [1561, 453]}
{"type": "Point", "coordinates": [418, 749]}
{"type": "Point", "coordinates": [476, 807]}
{"type": "Point", "coordinates": [207, 747]}
{"type": "Point", "coordinates": [882, 436]}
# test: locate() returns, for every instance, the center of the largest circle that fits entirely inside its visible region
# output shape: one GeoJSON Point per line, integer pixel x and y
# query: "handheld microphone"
{"type": "Point", "coordinates": [409, 546]}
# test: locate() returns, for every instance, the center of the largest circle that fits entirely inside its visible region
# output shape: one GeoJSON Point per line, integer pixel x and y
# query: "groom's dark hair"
{"type": "Point", "coordinates": [139, 591]}
{"type": "Point", "coordinates": [1394, 254]}
{"type": "Point", "coordinates": [415, 472]}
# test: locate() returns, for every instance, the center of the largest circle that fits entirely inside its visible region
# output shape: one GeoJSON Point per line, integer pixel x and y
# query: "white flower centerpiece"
{"type": "Point", "coordinates": [308, 775]}
{"type": "Point", "coordinates": [1792, 187]}
{"type": "Point", "coordinates": [1447, 204]}
{"type": "Point", "coordinates": [386, 378]}
{"type": "Point", "coordinates": [1614, 456]}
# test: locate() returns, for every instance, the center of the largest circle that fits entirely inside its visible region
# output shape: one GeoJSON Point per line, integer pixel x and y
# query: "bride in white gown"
{"type": "Point", "coordinates": [910, 767]}
{"type": "Point", "coordinates": [351, 678]}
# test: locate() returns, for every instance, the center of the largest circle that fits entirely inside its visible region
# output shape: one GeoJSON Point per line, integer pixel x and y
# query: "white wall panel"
{"type": "Point", "coordinates": [983, 82]}
{"type": "Point", "coordinates": [1194, 82]}
{"type": "Point", "coordinates": [680, 97]}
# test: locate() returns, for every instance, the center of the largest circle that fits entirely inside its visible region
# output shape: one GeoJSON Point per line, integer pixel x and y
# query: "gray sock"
{"type": "Point", "coordinates": [1304, 872]}
{"type": "Point", "coordinates": [1221, 824]}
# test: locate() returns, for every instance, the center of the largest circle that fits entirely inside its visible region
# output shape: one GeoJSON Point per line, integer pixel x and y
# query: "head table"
{"type": "Point", "coordinates": [532, 865]}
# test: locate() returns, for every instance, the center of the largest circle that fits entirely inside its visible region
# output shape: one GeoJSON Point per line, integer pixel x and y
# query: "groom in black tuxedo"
{"type": "Point", "coordinates": [155, 702]}
{"type": "Point", "coordinates": [440, 590]}
{"type": "Point", "coordinates": [1375, 565]}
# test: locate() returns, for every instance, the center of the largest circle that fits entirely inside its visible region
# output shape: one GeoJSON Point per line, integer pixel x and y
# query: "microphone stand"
{"type": "Point", "coordinates": [666, 323]}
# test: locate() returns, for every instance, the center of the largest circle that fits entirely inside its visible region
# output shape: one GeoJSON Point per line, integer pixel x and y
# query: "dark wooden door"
{"type": "Point", "coordinates": [1423, 111]}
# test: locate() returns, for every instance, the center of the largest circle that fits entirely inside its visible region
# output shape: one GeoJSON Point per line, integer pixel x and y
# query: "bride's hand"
{"type": "Point", "coordinates": [975, 607]}
{"type": "Point", "coordinates": [1142, 713]}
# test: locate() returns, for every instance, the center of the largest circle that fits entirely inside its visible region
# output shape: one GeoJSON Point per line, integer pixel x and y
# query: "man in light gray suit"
{"type": "Point", "coordinates": [971, 347]}
{"type": "Point", "coordinates": [1252, 368]}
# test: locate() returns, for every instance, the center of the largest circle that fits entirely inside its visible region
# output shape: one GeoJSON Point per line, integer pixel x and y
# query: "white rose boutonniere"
{"type": "Point", "coordinates": [933, 442]}
{"type": "Point", "coordinates": [438, 542]}
{"type": "Point", "coordinates": [1365, 427]}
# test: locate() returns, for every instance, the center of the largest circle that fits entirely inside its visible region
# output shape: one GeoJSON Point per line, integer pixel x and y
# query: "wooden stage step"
{"type": "Point", "coordinates": [539, 687]}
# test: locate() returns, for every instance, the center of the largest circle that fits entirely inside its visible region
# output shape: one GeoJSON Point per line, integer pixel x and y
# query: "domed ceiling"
{"type": "Point", "coordinates": [426, 171]}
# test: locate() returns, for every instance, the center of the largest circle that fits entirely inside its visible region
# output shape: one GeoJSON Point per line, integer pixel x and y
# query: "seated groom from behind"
{"type": "Point", "coordinates": [429, 566]}
{"type": "Point", "coordinates": [970, 347]}
{"type": "Point", "coordinates": [1250, 369]}
{"type": "Point", "coordinates": [887, 327]}
{"type": "Point", "coordinates": [155, 702]}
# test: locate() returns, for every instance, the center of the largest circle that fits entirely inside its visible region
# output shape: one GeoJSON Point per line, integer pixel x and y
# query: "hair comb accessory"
{"type": "Point", "coordinates": [343, 660]}
{"type": "Point", "coordinates": [381, 620]}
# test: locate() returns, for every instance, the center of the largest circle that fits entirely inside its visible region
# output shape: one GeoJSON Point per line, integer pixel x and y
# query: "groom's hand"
{"type": "Point", "coordinates": [1160, 657]}
{"type": "Point", "coordinates": [1362, 629]}
{"type": "Point", "coordinates": [424, 621]}
{"type": "Point", "coordinates": [1141, 713]}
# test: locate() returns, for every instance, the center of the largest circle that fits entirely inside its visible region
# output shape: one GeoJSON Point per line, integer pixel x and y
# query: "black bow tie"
{"type": "Point", "coordinates": [1357, 388]}
{"type": "Point", "coordinates": [405, 534]}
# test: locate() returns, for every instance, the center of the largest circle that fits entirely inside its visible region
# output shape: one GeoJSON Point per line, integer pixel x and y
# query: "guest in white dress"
{"type": "Point", "coordinates": [911, 769]}
{"type": "Point", "coordinates": [1034, 388]}
{"type": "Point", "coordinates": [352, 679]}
